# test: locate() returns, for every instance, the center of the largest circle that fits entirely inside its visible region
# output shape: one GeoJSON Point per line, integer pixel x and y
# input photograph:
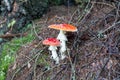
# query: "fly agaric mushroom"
{"type": "Point", "coordinates": [61, 35]}
{"type": "Point", "coordinates": [53, 42]}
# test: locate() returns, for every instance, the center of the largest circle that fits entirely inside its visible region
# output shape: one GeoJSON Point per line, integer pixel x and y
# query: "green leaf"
{"type": "Point", "coordinates": [11, 23]}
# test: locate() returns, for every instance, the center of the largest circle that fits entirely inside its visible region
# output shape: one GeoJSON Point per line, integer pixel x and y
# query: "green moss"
{"type": "Point", "coordinates": [2, 75]}
{"type": "Point", "coordinates": [9, 51]}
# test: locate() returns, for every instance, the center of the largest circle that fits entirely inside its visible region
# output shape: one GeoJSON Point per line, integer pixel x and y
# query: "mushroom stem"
{"type": "Point", "coordinates": [63, 39]}
{"type": "Point", "coordinates": [62, 36]}
{"type": "Point", "coordinates": [63, 49]}
{"type": "Point", "coordinates": [54, 54]}
{"type": "Point", "coordinates": [63, 46]}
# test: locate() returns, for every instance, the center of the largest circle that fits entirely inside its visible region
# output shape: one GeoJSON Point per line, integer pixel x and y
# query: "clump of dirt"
{"type": "Point", "coordinates": [93, 51]}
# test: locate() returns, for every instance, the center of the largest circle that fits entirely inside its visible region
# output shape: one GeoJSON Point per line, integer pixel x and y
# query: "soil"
{"type": "Point", "coordinates": [91, 55]}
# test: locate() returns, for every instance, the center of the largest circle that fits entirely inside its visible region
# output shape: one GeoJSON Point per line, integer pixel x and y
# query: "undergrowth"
{"type": "Point", "coordinates": [9, 51]}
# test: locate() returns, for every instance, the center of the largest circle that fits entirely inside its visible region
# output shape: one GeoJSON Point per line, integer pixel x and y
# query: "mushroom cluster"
{"type": "Point", "coordinates": [62, 37]}
{"type": "Point", "coordinates": [53, 42]}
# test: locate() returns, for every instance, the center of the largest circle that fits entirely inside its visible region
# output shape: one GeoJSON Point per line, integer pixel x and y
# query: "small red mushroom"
{"type": "Point", "coordinates": [61, 36]}
{"type": "Point", "coordinates": [53, 43]}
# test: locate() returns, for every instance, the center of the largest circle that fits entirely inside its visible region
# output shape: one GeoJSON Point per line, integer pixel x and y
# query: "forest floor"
{"type": "Point", "coordinates": [93, 51]}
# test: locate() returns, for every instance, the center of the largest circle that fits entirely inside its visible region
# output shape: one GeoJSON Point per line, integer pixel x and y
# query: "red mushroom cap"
{"type": "Point", "coordinates": [51, 41]}
{"type": "Point", "coordinates": [64, 27]}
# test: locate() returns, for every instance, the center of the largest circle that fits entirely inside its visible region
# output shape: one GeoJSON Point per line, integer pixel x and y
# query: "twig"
{"type": "Point", "coordinates": [1, 22]}
{"type": "Point", "coordinates": [26, 57]}
{"type": "Point", "coordinates": [72, 66]}
{"type": "Point", "coordinates": [34, 28]}
{"type": "Point", "coordinates": [115, 21]}
{"type": "Point", "coordinates": [50, 69]}
{"type": "Point", "coordinates": [35, 66]}
{"type": "Point", "coordinates": [72, 16]}
{"type": "Point", "coordinates": [103, 4]}
{"type": "Point", "coordinates": [39, 52]}
{"type": "Point", "coordinates": [83, 16]}
{"type": "Point", "coordinates": [56, 74]}
{"type": "Point", "coordinates": [109, 28]}
{"type": "Point", "coordinates": [102, 68]}
{"type": "Point", "coordinates": [10, 35]}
